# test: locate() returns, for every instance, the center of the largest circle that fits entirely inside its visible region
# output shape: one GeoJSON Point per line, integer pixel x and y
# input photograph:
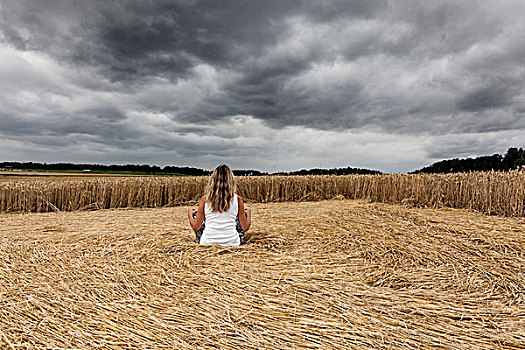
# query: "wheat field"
{"type": "Point", "coordinates": [499, 193]}
{"type": "Point", "coordinates": [331, 262]}
{"type": "Point", "coordinates": [337, 274]}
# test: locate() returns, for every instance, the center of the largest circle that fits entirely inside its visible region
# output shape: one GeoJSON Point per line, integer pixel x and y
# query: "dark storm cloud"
{"type": "Point", "coordinates": [136, 39]}
{"type": "Point", "coordinates": [492, 94]}
{"type": "Point", "coordinates": [135, 73]}
{"type": "Point", "coordinates": [169, 37]}
{"type": "Point", "coordinates": [100, 124]}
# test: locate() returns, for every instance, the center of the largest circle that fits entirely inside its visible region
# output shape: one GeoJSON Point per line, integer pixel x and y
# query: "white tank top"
{"type": "Point", "coordinates": [221, 228]}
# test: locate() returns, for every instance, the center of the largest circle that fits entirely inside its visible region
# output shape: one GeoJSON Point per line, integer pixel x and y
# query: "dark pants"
{"type": "Point", "coordinates": [198, 233]}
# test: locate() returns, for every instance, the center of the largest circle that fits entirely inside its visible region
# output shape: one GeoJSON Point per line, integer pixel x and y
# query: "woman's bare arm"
{"type": "Point", "coordinates": [245, 216]}
{"type": "Point", "coordinates": [197, 222]}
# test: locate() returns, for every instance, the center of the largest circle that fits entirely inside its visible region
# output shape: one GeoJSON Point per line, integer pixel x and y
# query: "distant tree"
{"type": "Point", "coordinates": [333, 171]}
{"type": "Point", "coordinates": [510, 158]}
{"type": "Point", "coordinates": [513, 158]}
{"type": "Point", "coordinates": [145, 168]}
{"type": "Point", "coordinates": [248, 173]}
{"type": "Point", "coordinates": [519, 163]}
{"type": "Point", "coordinates": [185, 170]}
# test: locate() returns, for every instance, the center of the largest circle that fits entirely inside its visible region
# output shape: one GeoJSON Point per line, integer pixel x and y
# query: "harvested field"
{"type": "Point", "coordinates": [336, 274]}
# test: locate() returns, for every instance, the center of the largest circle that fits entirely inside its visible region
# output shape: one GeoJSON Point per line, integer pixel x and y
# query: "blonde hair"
{"type": "Point", "coordinates": [221, 188]}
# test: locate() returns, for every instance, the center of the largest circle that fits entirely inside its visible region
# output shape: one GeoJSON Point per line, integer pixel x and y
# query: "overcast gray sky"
{"type": "Point", "coordinates": [268, 85]}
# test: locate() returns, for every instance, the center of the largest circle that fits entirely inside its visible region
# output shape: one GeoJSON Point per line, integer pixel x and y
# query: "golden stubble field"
{"type": "Point", "coordinates": [336, 274]}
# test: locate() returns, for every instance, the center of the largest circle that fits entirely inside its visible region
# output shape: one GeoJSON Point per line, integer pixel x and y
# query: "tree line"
{"type": "Point", "coordinates": [333, 171]}
{"type": "Point", "coordinates": [169, 169]}
{"type": "Point", "coordinates": [132, 168]}
{"type": "Point", "coordinates": [514, 158]}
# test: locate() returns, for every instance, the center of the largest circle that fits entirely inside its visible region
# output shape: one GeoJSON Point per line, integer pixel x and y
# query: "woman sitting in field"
{"type": "Point", "coordinates": [221, 217]}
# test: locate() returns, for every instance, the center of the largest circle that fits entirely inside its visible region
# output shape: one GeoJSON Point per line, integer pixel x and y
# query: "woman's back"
{"type": "Point", "coordinates": [220, 227]}
{"type": "Point", "coordinates": [217, 218]}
